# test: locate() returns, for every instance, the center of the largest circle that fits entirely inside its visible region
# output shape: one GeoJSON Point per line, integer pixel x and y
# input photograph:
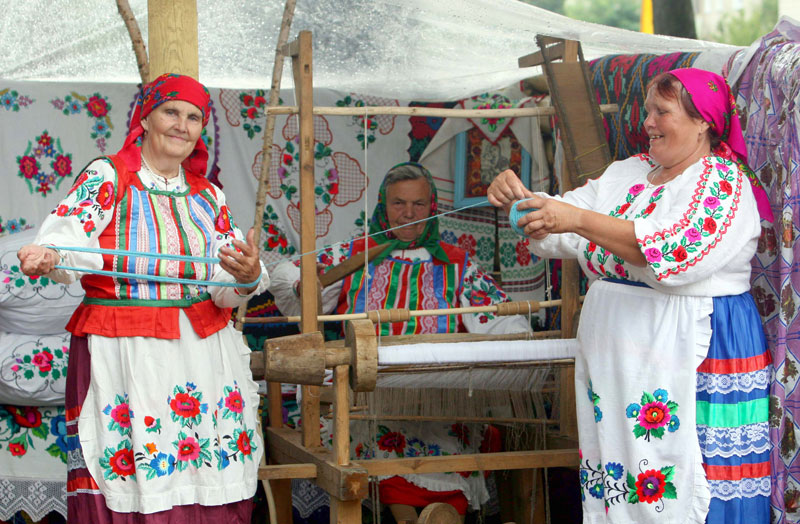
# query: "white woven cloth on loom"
{"type": "Point", "coordinates": [477, 352]}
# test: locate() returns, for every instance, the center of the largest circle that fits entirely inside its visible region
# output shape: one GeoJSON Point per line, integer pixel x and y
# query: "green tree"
{"type": "Point", "coordinates": [556, 6]}
{"type": "Point", "coordinates": [741, 29]}
{"type": "Point", "coordinates": [615, 13]}
{"type": "Point", "coordinates": [674, 18]}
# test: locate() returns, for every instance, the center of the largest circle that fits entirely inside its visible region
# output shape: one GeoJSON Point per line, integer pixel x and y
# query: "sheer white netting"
{"type": "Point", "coordinates": [410, 49]}
{"type": "Point", "coordinates": [37, 498]}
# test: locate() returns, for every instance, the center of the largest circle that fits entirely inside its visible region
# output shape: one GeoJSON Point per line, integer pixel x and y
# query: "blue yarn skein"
{"type": "Point", "coordinates": [514, 215]}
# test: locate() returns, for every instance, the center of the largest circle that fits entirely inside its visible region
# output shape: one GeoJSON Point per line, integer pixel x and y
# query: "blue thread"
{"type": "Point", "coordinates": [514, 216]}
{"type": "Point", "coordinates": [157, 278]}
{"type": "Point", "coordinates": [142, 254]}
{"type": "Point", "coordinates": [165, 256]}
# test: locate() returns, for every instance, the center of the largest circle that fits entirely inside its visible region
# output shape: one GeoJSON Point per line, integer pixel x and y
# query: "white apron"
{"type": "Point", "coordinates": [640, 457]}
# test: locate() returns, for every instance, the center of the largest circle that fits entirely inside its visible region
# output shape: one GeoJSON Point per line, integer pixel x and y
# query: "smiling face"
{"type": "Point", "coordinates": [408, 201]}
{"type": "Point", "coordinates": [173, 129]}
{"type": "Point", "coordinates": [676, 139]}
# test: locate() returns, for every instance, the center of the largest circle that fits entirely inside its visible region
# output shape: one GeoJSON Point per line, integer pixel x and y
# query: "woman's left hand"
{"type": "Point", "coordinates": [552, 216]}
{"type": "Point", "coordinates": [242, 263]}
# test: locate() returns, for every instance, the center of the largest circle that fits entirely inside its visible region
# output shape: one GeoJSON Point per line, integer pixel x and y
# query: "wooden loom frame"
{"type": "Point", "coordinates": [298, 455]}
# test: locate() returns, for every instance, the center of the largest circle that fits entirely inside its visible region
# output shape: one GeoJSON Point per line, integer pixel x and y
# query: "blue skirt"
{"type": "Point", "coordinates": [733, 413]}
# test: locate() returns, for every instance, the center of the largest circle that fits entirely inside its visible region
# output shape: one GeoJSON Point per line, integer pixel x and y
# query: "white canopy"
{"type": "Point", "coordinates": [407, 49]}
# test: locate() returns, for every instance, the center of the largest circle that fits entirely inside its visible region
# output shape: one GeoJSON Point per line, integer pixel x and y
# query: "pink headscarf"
{"type": "Point", "coordinates": [713, 98]}
{"type": "Point", "coordinates": [164, 88]}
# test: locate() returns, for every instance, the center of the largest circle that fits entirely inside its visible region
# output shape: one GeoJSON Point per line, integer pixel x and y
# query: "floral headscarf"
{"type": "Point", "coordinates": [714, 100]}
{"type": "Point", "coordinates": [429, 239]}
{"type": "Point", "coordinates": [164, 88]}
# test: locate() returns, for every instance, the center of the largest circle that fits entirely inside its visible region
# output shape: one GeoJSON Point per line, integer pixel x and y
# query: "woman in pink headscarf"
{"type": "Point", "coordinates": [673, 371]}
{"type": "Point", "coordinates": [161, 405]}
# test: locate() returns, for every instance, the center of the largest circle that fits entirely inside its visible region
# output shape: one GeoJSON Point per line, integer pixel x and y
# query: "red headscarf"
{"type": "Point", "coordinates": [714, 100]}
{"type": "Point", "coordinates": [164, 88]}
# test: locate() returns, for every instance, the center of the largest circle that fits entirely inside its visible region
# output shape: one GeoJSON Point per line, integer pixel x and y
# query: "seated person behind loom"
{"type": "Point", "coordinates": [416, 271]}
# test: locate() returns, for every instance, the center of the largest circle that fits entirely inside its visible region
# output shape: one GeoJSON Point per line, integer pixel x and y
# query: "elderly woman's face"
{"type": "Point", "coordinates": [408, 201]}
{"type": "Point", "coordinates": [675, 137]}
{"type": "Point", "coordinates": [173, 129]}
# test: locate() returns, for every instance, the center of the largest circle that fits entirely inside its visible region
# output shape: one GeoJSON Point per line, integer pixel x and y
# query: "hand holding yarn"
{"type": "Point", "coordinates": [515, 214]}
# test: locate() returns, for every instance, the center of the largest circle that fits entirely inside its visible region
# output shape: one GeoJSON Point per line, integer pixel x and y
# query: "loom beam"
{"type": "Point", "coordinates": [303, 358]}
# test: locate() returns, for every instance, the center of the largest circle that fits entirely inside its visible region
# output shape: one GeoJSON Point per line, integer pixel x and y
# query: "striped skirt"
{"type": "Point", "coordinates": [85, 501]}
{"type": "Point", "coordinates": [732, 414]}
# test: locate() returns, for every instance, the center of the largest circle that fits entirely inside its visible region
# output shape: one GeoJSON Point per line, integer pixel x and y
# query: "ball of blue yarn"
{"type": "Point", "coordinates": [514, 215]}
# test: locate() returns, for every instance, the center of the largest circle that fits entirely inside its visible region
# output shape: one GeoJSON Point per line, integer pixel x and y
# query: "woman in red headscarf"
{"type": "Point", "coordinates": [161, 405]}
{"type": "Point", "coordinates": [673, 373]}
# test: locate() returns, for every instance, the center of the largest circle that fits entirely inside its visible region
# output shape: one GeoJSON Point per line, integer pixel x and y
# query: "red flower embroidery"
{"type": "Point", "coordinates": [624, 207]}
{"type": "Point", "coordinates": [62, 165]}
{"type": "Point", "coordinates": [234, 402]}
{"type": "Point", "coordinates": [97, 106]}
{"type": "Point", "coordinates": [88, 227]}
{"type": "Point", "coordinates": [334, 190]}
{"type": "Point", "coordinates": [725, 187]}
{"type": "Point", "coordinates": [468, 243]}
{"type": "Point", "coordinates": [28, 166]}
{"type": "Point", "coordinates": [252, 113]}
{"type": "Point", "coordinates": [480, 298]}
{"type": "Point", "coordinates": [62, 210]}
{"type": "Point", "coordinates": [392, 441]}
{"type": "Point", "coordinates": [105, 195]}
{"type": "Point", "coordinates": [122, 415]}
{"type": "Point", "coordinates": [188, 449]}
{"type": "Point", "coordinates": [243, 443]}
{"type": "Point", "coordinates": [649, 209]}
{"type": "Point", "coordinates": [27, 417]}
{"type": "Point", "coordinates": [42, 361]}
{"type": "Point", "coordinates": [591, 247]}
{"type": "Point", "coordinates": [680, 254]}
{"type": "Point", "coordinates": [523, 255]}
{"type": "Point", "coordinates": [709, 225]}
{"type": "Point", "coordinates": [247, 100]}
{"type": "Point", "coordinates": [650, 486]}
{"type": "Point", "coordinates": [260, 101]}
{"type": "Point", "coordinates": [224, 220]}
{"type": "Point", "coordinates": [185, 405]}
{"type": "Point", "coordinates": [17, 449]}
{"type": "Point", "coordinates": [122, 462]}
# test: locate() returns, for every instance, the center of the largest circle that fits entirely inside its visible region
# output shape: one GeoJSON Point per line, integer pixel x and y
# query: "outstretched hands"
{"type": "Point", "coordinates": [243, 262]}
{"type": "Point", "coordinates": [549, 216]}
{"type": "Point", "coordinates": [36, 260]}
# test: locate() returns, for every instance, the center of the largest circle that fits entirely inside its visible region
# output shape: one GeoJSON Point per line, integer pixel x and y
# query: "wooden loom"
{"type": "Point", "coordinates": [302, 359]}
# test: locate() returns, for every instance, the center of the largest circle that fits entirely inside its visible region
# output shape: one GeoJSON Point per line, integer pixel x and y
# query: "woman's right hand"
{"type": "Point", "coordinates": [36, 260]}
{"type": "Point", "coordinates": [505, 189]}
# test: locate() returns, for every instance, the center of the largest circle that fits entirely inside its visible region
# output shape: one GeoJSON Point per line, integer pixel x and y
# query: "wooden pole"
{"type": "Point", "coordinates": [137, 41]}
{"type": "Point", "coordinates": [269, 132]}
{"type": "Point", "coordinates": [428, 111]}
{"type": "Point", "coordinates": [570, 277]}
{"type": "Point", "coordinates": [302, 67]}
{"type": "Point", "coordinates": [387, 315]}
{"type": "Point", "coordinates": [172, 28]}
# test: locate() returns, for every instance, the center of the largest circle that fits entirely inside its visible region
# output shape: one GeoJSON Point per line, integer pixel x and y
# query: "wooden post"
{"type": "Point", "coordinates": [172, 29]}
{"type": "Point", "coordinates": [344, 512]}
{"type": "Point", "coordinates": [302, 67]}
{"type": "Point", "coordinates": [570, 278]}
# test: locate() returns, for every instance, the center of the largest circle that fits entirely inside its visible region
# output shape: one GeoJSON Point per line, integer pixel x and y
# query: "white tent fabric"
{"type": "Point", "coordinates": [409, 49]}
